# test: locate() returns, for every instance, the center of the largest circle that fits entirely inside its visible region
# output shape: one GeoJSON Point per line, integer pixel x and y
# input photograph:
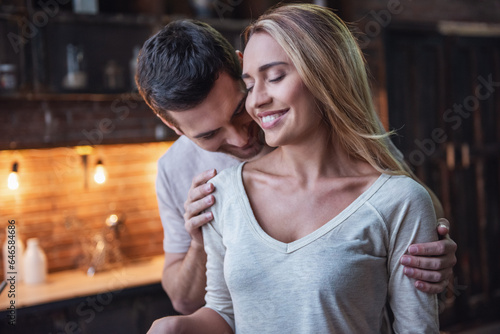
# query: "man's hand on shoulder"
{"type": "Point", "coordinates": [200, 198]}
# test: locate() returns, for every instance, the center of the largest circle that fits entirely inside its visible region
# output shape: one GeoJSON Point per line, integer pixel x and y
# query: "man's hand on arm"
{"type": "Point", "coordinates": [431, 264]}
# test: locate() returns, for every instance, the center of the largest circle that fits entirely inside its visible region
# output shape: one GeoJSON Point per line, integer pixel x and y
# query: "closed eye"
{"type": "Point", "coordinates": [277, 79]}
{"type": "Point", "coordinates": [208, 135]}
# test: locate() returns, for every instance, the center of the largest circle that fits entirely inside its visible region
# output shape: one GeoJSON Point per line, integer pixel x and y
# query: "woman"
{"type": "Point", "coordinates": [307, 239]}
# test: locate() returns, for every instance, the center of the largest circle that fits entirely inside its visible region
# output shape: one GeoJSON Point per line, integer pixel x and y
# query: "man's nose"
{"type": "Point", "coordinates": [237, 136]}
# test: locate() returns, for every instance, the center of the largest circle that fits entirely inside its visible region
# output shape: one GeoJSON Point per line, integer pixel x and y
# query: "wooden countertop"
{"type": "Point", "coordinates": [75, 283]}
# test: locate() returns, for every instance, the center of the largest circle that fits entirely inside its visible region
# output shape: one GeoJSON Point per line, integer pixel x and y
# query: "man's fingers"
{"type": "Point", "coordinates": [432, 288]}
{"type": "Point", "coordinates": [194, 208]}
{"type": "Point", "coordinates": [436, 248]}
{"type": "Point", "coordinates": [200, 191]}
{"type": "Point", "coordinates": [198, 221]}
{"type": "Point", "coordinates": [203, 177]}
{"type": "Point", "coordinates": [426, 263]}
{"type": "Point", "coordinates": [443, 227]}
{"type": "Point", "coordinates": [430, 276]}
{"type": "Point", "coordinates": [445, 222]}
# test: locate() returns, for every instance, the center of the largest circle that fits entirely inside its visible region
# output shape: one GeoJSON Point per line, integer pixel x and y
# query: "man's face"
{"type": "Point", "coordinates": [220, 123]}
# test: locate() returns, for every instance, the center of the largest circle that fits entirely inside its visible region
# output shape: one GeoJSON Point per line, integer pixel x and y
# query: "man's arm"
{"type": "Point", "coordinates": [184, 279]}
{"type": "Point", "coordinates": [184, 274]}
{"type": "Point", "coordinates": [203, 321]}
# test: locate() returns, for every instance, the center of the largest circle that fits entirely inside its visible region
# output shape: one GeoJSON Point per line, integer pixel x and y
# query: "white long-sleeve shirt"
{"type": "Point", "coordinates": [337, 279]}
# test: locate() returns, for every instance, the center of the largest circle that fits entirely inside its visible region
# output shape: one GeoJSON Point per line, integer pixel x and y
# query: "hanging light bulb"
{"type": "Point", "coordinates": [12, 181]}
{"type": "Point", "coordinates": [100, 173]}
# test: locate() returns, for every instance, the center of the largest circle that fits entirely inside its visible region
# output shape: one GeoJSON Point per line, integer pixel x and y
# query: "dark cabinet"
{"type": "Point", "coordinates": [71, 74]}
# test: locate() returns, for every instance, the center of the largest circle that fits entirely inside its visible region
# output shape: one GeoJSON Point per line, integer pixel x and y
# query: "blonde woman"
{"type": "Point", "coordinates": [307, 239]}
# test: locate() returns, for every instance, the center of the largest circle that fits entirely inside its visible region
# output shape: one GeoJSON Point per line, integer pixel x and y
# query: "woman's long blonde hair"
{"type": "Point", "coordinates": [332, 67]}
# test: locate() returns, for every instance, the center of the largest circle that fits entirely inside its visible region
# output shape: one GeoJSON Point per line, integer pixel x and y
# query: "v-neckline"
{"type": "Point", "coordinates": [290, 247]}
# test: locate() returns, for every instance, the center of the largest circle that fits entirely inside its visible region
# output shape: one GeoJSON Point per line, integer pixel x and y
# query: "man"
{"type": "Point", "coordinates": [190, 76]}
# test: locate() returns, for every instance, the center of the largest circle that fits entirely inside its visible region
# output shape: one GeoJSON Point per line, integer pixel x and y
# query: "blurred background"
{"type": "Point", "coordinates": [78, 146]}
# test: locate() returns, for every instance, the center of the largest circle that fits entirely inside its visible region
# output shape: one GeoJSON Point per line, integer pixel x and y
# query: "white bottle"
{"type": "Point", "coordinates": [13, 249]}
{"type": "Point", "coordinates": [35, 263]}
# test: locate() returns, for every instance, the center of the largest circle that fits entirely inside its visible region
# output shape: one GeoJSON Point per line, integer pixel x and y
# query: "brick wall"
{"type": "Point", "coordinates": [53, 204]}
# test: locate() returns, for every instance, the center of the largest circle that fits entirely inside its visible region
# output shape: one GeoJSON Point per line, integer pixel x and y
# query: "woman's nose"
{"type": "Point", "coordinates": [259, 96]}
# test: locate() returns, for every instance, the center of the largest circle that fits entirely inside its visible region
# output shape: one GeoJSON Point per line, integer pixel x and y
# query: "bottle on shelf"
{"type": "Point", "coordinates": [35, 263]}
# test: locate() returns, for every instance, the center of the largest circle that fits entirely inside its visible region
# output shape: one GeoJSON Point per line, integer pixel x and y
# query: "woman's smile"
{"type": "Point", "coordinates": [270, 118]}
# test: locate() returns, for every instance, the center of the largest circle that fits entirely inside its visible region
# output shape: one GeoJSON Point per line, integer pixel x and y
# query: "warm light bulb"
{"type": "Point", "coordinates": [12, 181]}
{"type": "Point", "coordinates": [100, 173]}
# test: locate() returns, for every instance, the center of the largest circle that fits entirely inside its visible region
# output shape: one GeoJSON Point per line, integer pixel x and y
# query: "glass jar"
{"type": "Point", "coordinates": [8, 77]}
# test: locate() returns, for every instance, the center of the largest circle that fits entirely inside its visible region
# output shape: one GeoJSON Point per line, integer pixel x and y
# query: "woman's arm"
{"type": "Point", "coordinates": [411, 219]}
{"type": "Point", "coordinates": [431, 263]}
{"type": "Point", "coordinates": [203, 321]}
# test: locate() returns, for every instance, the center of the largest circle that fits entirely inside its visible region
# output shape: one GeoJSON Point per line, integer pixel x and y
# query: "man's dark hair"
{"type": "Point", "coordinates": [178, 66]}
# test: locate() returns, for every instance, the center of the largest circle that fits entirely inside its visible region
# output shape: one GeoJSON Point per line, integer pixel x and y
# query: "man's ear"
{"type": "Point", "coordinates": [240, 57]}
{"type": "Point", "coordinates": [170, 125]}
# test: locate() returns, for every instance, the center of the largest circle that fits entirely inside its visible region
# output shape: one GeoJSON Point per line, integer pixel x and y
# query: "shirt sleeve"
{"type": "Point", "coordinates": [217, 297]}
{"type": "Point", "coordinates": [175, 237]}
{"type": "Point", "coordinates": [414, 221]}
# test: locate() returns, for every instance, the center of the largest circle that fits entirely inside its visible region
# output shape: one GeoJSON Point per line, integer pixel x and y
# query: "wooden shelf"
{"type": "Point", "coordinates": [71, 96]}
{"type": "Point", "coordinates": [75, 283]}
{"type": "Point", "coordinates": [104, 18]}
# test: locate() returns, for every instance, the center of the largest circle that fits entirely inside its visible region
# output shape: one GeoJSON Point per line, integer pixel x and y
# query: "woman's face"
{"type": "Point", "coordinates": [277, 98]}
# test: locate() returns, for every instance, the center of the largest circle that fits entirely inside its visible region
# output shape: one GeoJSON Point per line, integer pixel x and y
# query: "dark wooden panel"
{"type": "Point", "coordinates": [440, 83]}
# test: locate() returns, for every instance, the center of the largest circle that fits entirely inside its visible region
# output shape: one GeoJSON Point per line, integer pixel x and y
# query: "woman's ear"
{"type": "Point", "coordinates": [240, 57]}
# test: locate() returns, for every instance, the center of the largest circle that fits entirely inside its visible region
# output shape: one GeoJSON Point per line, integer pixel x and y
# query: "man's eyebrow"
{"type": "Point", "coordinates": [265, 67]}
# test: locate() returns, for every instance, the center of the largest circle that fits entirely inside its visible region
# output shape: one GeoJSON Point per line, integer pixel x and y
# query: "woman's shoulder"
{"type": "Point", "coordinates": [226, 175]}
{"type": "Point", "coordinates": [401, 192]}
{"type": "Point", "coordinates": [405, 187]}
{"type": "Point", "coordinates": [226, 182]}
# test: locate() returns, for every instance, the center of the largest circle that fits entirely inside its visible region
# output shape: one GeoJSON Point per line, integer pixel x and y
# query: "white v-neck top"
{"type": "Point", "coordinates": [336, 279]}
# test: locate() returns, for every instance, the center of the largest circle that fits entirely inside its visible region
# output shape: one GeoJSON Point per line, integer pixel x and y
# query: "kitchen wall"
{"type": "Point", "coordinates": [54, 204]}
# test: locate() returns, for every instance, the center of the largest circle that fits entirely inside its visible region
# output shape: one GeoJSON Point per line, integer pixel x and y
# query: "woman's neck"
{"type": "Point", "coordinates": [318, 156]}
